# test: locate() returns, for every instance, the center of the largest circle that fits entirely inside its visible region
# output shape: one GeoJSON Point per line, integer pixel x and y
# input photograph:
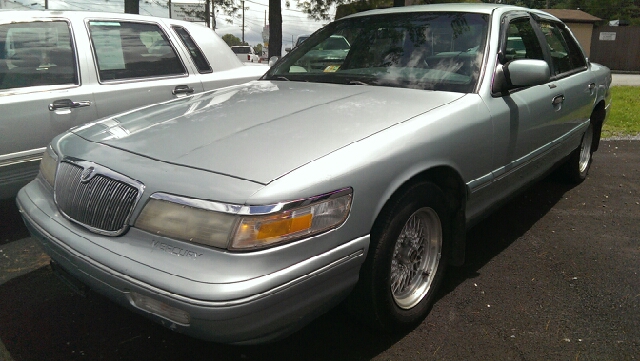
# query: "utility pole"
{"type": "Point", "coordinates": [242, 21]}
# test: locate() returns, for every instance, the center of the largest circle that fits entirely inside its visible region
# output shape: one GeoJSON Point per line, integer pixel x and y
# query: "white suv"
{"type": "Point", "coordinates": [245, 53]}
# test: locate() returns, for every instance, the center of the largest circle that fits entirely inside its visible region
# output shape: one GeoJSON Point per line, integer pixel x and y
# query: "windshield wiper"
{"type": "Point", "coordinates": [357, 82]}
{"type": "Point", "coordinates": [280, 77]}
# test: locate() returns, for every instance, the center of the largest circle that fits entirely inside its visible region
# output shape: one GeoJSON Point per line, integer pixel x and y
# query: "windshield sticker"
{"type": "Point", "coordinates": [331, 68]}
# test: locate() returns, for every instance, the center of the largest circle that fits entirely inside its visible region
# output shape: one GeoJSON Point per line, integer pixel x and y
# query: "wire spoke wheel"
{"type": "Point", "coordinates": [585, 150]}
{"type": "Point", "coordinates": [416, 257]}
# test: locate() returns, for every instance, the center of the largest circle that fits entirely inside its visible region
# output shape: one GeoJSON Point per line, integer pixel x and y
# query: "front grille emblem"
{"type": "Point", "coordinates": [87, 174]}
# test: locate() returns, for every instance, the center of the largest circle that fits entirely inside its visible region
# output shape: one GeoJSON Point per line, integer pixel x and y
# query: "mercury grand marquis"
{"type": "Point", "coordinates": [241, 214]}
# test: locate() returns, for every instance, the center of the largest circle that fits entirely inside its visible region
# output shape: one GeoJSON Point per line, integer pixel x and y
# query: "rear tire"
{"type": "Point", "coordinates": [577, 166]}
{"type": "Point", "coordinates": [405, 263]}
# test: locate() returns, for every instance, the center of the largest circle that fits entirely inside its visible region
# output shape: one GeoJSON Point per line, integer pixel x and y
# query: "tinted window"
{"type": "Point", "coordinates": [132, 50]}
{"type": "Point", "coordinates": [194, 50]}
{"type": "Point", "coordinates": [566, 55]}
{"type": "Point", "coordinates": [522, 42]}
{"type": "Point", "coordinates": [241, 49]}
{"type": "Point", "coordinates": [440, 51]}
{"type": "Point", "coordinates": [37, 53]}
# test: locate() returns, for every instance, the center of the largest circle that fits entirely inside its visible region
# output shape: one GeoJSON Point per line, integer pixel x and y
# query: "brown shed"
{"type": "Point", "coordinates": [580, 23]}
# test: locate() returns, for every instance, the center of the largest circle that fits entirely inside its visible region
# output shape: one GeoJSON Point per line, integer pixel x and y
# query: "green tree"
{"type": "Point", "coordinates": [228, 7]}
{"type": "Point", "coordinates": [258, 49]}
{"type": "Point", "coordinates": [232, 40]}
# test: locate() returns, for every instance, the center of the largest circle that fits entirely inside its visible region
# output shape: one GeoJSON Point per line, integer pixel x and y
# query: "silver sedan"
{"type": "Point", "coordinates": [241, 214]}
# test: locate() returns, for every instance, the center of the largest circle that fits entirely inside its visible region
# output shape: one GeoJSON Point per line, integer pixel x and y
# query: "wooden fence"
{"type": "Point", "coordinates": [617, 47]}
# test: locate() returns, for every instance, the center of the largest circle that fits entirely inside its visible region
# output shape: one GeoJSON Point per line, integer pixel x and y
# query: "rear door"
{"type": "Point", "coordinates": [136, 64]}
{"type": "Point", "coordinates": [569, 70]}
{"type": "Point", "coordinates": [42, 93]}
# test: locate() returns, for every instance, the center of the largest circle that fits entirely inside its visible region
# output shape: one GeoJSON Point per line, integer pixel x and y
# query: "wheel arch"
{"type": "Point", "coordinates": [598, 115]}
{"type": "Point", "coordinates": [456, 192]}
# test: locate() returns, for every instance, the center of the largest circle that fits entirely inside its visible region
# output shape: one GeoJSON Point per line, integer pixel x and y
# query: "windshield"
{"type": "Point", "coordinates": [441, 51]}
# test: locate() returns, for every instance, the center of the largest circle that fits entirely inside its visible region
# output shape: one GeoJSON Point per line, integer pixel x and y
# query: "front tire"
{"type": "Point", "coordinates": [405, 264]}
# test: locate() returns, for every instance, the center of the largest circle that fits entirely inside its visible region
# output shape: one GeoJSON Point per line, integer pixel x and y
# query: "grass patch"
{"type": "Point", "coordinates": [624, 117]}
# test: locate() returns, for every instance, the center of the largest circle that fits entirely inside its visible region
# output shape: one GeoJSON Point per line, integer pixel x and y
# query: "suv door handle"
{"type": "Point", "coordinates": [68, 103]}
{"type": "Point", "coordinates": [182, 89]}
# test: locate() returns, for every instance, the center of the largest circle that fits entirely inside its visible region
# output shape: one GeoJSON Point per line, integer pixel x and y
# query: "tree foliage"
{"type": "Point", "coordinates": [232, 40]}
{"type": "Point", "coordinates": [258, 49]}
{"type": "Point", "coordinates": [230, 8]}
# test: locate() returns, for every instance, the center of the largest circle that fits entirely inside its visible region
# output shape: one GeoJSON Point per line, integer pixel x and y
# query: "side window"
{"type": "Point", "coordinates": [125, 50]}
{"type": "Point", "coordinates": [36, 53]}
{"type": "Point", "coordinates": [566, 55]}
{"type": "Point", "coordinates": [522, 42]}
{"type": "Point", "coordinates": [575, 51]}
{"type": "Point", "coordinates": [194, 50]}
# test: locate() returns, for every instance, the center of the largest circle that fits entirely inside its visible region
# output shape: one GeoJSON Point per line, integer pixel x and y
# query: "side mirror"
{"type": "Point", "coordinates": [273, 60]}
{"type": "Point", "coordinates": [520, 73]}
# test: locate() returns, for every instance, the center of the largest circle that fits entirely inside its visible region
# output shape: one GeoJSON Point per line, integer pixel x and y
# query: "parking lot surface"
{"type": "Point", "coordinates": [553, 275]}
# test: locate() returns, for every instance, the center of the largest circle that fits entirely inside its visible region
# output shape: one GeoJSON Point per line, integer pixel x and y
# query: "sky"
{"type": "Point", "coordinates": [294, 22]}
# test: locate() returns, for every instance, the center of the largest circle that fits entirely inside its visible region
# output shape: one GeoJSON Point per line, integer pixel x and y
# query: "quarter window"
{"type": "Point", "coordinates": [126, 50]}
{"type": "Point", "coordinates": [194, 51]}
{"type": "Point", "coordinates": [36, 53]}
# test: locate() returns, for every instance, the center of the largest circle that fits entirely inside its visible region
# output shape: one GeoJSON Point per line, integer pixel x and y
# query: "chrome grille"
{"type": "Point", "coordinates": [101, 203]}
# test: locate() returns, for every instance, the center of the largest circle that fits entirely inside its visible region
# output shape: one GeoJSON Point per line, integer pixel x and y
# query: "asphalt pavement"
{"type": "Point", "coordinates": [553, 275]}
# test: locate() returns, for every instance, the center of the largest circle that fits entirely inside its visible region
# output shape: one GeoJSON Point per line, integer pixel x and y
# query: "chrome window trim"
{"type": "Point", "coordinates": [249, 210]}
{"type": "Point", "coordinates": [107, 172]}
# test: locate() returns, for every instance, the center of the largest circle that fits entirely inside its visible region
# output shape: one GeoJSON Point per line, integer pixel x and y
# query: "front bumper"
{"type": "Point", "coordinates": [294, 296]}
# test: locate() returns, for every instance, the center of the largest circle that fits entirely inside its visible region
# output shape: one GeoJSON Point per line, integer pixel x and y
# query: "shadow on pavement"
{"type": "Point", "coordinates": [11, 225]}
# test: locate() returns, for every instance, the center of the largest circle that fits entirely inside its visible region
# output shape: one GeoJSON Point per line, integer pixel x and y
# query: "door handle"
{"type": "Point", "coordinates": [68, 104]}
{"type": "Point", "coordinates": [182, 89]}
{"type": "Point", "coordinates": [557, 100]}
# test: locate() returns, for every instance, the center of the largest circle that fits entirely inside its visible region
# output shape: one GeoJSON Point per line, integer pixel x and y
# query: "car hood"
{"type": "Point", "coordinates": [261, 130]}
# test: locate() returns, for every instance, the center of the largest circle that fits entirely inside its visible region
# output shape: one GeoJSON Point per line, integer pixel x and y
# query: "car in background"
{"type": "Point", "coordinates": [332, 50]}
{"type": "Point", "coordinates": [60, 69]}
{"type": "Point", "coordinates": [245, 53]}
{"type": "Point", "coordinates": [241, 214]}
{"type": "Point", "coordinates": [301, 38]}
{"type": "Point", "coordinates": [299, 41]}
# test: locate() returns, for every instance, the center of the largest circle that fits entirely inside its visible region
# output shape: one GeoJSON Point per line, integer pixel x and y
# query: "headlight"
{"type": "Point", "coordinates": [180, 221]}
{"type": "Point", "coordinates": [48, 165]}
{"type": "Point", "coordinates": [319, 214]}
{"type": "Point", "coordinates": [243, 227]}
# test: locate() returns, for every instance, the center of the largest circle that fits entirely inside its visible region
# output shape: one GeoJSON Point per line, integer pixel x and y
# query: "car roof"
{"type": "Point", "coordinates": [481, 8]}
{"type": "Point", "coordinates": [24, 15]}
